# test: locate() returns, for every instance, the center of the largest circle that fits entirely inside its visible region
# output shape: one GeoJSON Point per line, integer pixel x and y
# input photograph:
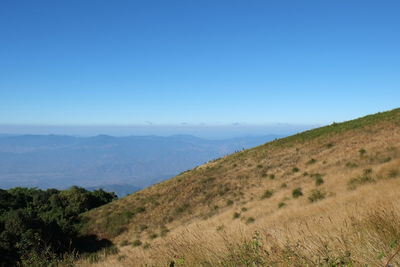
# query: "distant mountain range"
{"type": "Point", "coordinates": [124, 164]}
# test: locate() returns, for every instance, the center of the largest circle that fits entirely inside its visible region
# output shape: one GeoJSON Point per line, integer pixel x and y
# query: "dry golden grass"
{"type": "Point", "coordinates": [189, 220]}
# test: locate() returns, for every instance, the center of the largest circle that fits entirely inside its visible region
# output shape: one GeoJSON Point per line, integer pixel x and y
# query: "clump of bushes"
{"type": "Point", "coordinates": [351, 165]}
{"type": "Point", "coordinates": [136, 243]}
{"type": "Point", "coordinates": [316, 195]}
{"type": "Point", "coordinates": [124, 243]}
{"type": "Point", "coordinates": [329, 145]}
{"type": "Point", "coordinates": [365, 178]}
{"type": "Point", "coordinates": [181, 208]}
{"type": "Point", "coordinates": [393, 173]}
{"type": "Point", "coordinates": [318, 178]}
{"type": "Point", "coordinates": [236, 215]}
{"type": "Point", "coordinates": [250, 220]}
{"type": "Point", "coordinates": [153, 236]}
{"type": "Point", "coordinates": [297, 192]}
{"type": "Point", "coordinates": [142, 227]}
{"type": "Point", "coordinates": [267, 194]}
{"type": "Point", "coordinates": [311, 161]}
{"type": "Point", "coordinates": [387, 159]}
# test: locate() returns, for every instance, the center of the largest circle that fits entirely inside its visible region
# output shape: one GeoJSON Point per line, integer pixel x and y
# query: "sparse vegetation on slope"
{"type": "Point", "coordinates": [313, 211]}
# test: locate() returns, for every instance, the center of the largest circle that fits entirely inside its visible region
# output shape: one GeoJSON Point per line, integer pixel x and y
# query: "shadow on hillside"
{"type": "Point", "coordinates": [90, 244]}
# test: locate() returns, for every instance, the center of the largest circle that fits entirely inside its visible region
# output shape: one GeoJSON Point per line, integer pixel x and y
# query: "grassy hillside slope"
{"type": "Point", "coordinates": [327, 196]}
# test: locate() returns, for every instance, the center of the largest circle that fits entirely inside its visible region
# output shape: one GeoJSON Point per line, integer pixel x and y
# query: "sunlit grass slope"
{"type": "Point", "coordinates": [327, 196]}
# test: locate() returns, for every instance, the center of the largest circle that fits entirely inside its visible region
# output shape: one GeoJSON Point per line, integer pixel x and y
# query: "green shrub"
{"type": "Point", "coordinates": [153, 236]}
{"type": "Point", "coordinates": [284, 185]}
{"type": "Point", "coordinates": [362, 152]}
{"type": "Point", "coordinates": [367, 172]}
{"type": "Point", "coordinates": [281, 204]}
{"type": "Point", "coordinates": [362, 179]}
{"type": "Point", "coordinates": [124, 243]}
{"type": "Point", "coordinates": [311, 161]}
{"type": "Point", "coordinates": [229, 202]}
{"type": "Point", "coordinates": [297, 192]}
{"type": "Point", "coordinates": [136, 243]}
{"type": "Point", "coordinates": [351, 165]}
{"type": "Point", "coordinates": [319, 180]}
{"type": "Point", "coordinates": [316, 195]}
{"type": "Point", "coordinates": [295, 169]}
{"type": "Point", "coordinates": [329, 145]}
{"type": "Point", "coordinates": [181, 208]}
{"type": "Point", "coordinates": [272, 176]}
{"type": "Point", "coordinates": [236, 215]}
{"type": "Point", "coordinates": [142, 227]}
{"type": "Point", "coordinates": [393, 173]}
{"type": "Point", "coordinates": [267, 194]}
{"type": "Point", "coordinates": [250, 220]}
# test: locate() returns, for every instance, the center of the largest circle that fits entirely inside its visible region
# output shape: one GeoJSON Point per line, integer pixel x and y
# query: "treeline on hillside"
{"type": "Point", "coordinates": [38, 227]}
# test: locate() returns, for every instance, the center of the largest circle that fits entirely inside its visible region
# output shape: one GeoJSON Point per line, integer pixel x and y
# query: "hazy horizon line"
{"type": "Point", "coordinates": [202, 131]}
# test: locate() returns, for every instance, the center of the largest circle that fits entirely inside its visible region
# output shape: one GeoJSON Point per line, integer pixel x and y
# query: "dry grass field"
{"type": "Point", "coordinates": [325, 197]}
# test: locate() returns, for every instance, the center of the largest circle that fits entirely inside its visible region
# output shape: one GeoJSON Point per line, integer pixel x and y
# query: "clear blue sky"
{"type": "Point", "coordinates": [208, 61]}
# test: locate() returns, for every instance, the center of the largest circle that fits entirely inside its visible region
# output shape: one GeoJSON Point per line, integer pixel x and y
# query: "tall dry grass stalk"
{"type": "Point", "coordinates": [366, 235]}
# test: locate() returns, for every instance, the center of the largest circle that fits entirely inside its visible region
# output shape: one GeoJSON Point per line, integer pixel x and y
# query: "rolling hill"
{"type": "Point", "coordinates": [324, 197]}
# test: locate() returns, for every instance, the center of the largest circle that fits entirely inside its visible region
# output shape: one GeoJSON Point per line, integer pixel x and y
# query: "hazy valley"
{"type": "Point", "coordinates": [120, 164]}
